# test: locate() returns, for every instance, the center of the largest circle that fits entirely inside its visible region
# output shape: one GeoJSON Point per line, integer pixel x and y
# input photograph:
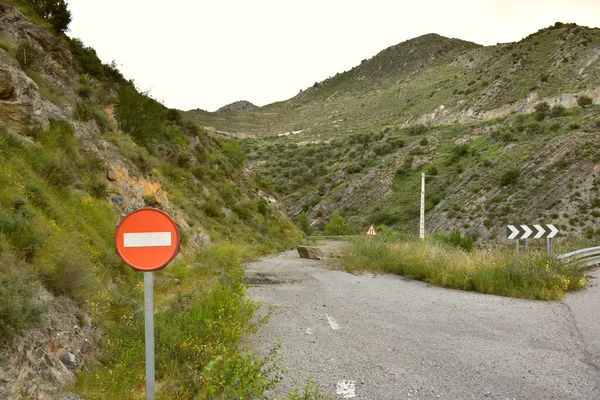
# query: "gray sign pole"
{"type": "Point", "coordinates": [549, 245]}
{"type": "Point", "coordinates": [149, 328]}
{"type": "Point", "coordinates": [517, 246]}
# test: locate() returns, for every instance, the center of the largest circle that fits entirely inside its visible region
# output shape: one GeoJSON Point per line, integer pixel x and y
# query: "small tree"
{"type": "Point", "coordinates": [337, 226]}
{"type": "Point", "coordinates": [557, 111]}
{"type": "Point", "coordinates": [542, 110]}
{"type": "Point", "coordinates": [584, 101]}
{"type": "Point", "coordinates": [304, 224]}
{"type": "Point", "coordinates": [53, 11]}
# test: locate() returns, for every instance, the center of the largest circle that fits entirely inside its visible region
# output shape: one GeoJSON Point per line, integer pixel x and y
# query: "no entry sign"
{"type": "Point", "coordinates": [147, 239]}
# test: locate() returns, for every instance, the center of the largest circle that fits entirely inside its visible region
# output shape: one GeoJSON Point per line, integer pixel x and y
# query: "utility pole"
{"type": "Point", "coordinates": [422, 220]}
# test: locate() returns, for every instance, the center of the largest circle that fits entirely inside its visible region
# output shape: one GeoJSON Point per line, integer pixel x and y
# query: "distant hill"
{"type": "Point", "coordinates": [238, 106]}
{"type": "Point", "coordinates": [475, 115]}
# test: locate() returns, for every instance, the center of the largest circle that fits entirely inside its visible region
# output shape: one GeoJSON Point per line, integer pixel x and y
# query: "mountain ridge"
{"type": "Point", "coordinates": [356, 142]}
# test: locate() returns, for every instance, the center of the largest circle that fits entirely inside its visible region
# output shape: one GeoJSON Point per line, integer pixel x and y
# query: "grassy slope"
{"type": "Point", "coordinates": [57, 226]}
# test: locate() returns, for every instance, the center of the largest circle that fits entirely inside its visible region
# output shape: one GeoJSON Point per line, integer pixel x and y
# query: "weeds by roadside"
{"type": "Point", "coordinates": [533, 275]}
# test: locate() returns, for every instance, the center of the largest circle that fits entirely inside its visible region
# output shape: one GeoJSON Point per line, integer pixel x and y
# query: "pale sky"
{"type": "Point", "coordinates": [205, 54]}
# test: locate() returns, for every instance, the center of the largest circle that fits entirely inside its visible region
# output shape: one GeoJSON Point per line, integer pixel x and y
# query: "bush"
{"type": "Point", "coordinates": [18, 309]}
{"type": "Point", "coordinates": [304, 224]}
{"type": "Point", "coordinates": [510, 177]}
{"type": "Point", "coordinates": [234, 151]}
{"type": "Point", "coordinates": [353, 168]}
{"type": "Point", "coordinates": [557, 111]}
{"type": "Point", "coordinates": [54, 11]}
{"type": "Point", "coordinates": [140, 116]}
{"type": "Point", "coordinates": [584, 101]}
{"type": "Point", "coordinates": [542, 110]}
{"type": "Point", "coordinates": [457, 240]}
{"type": "Point", "coordinates": [337, 226]}
{"type": "Point", "coordinates": [416, 130]}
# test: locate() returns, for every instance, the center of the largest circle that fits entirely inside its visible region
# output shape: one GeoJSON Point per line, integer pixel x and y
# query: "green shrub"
{"type": "Point", "coordinates": [234, 151]}
{"type": "Point", "coordinates": [66, 268]}
{"type": "Point", "coordinates": [353, 168]}
{"type": "Point", "coordinates": [98, 189]}
{"type": "Point", "coordinates": [54, 11]}
{"type": "Point", "coordinates": [309, 391]}
{"type": "Point", "coordinates": [457, 240]}
{"type": "Point", "coordinates": [304, 224]}
{"type": "Point", "coordinates": [416, 130]}
{"type": "Point", "coordinates": [140, 116]}
{"type": "Point", "coordinates": [84, 110]}
{"type": "Point", "coordinates": [557, 111]}
{"type": "Point", "coordinates": [584, 101]}
{"type": "Point", "coordinates": [262, 207]}
{"type": "Point", "coordinates": [337, 226]}
{"type": "Point", "coordinates": [510, 177]}
{"type": "Point", "coordinates": [212, 209]}
{"type": "Point", "coordinates": [18, 309]}
{"type": "Point", "coordinates": [542, 110]}
{"type": "Point", "coordinates": [22, 231]}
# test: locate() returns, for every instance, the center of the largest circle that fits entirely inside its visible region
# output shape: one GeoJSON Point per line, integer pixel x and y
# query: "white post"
{"type": "Point", "coordinates": [149, 328]}
{"type": "Point", "coordinates": [422, 220]}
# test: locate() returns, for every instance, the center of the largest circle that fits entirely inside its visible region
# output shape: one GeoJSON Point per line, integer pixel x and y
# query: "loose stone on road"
{"type": "Point", "coordinates": [388, 338]}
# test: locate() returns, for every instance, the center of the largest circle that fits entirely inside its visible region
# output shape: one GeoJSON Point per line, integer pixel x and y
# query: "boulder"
{"type": "Point", "coordinates": [312, 252]}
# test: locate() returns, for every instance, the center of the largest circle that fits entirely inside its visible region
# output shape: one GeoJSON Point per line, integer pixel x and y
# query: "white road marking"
{"type": "Point", "coordinates": [346, 389]}
{"type": "Point", "coordinates": [147, 239]}
{"type": "Point", "coordinates": [334, 325]}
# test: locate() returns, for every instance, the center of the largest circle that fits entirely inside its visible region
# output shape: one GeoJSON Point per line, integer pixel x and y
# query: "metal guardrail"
{"type": "Point", "coordinates": [585, 257]}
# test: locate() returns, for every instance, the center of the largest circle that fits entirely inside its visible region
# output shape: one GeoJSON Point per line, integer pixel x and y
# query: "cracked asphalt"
{"type": "Point", "coordinates": [385, 337]}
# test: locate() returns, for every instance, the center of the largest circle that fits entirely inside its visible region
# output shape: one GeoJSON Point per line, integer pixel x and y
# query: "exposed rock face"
{"type": "Point", "coordinates": [241, 105]}
{"type": "Point", "coordinates": [37, 365]}
{"type": "Point", "coordinates": [21, 105]}
{"type": "Point", "coordinates": [312, 252]}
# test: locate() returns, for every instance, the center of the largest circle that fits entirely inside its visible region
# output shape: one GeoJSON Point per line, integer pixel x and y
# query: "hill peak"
{"type": "Point", "coordinates": [241, 105]}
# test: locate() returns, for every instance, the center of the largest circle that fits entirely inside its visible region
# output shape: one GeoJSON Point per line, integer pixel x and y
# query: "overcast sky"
{"type": "Point", "coordinates": [205, 54]}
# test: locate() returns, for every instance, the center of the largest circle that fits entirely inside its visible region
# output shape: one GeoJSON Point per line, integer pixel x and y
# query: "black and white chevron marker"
{"type": "Point", "coordinates": [531, 231]}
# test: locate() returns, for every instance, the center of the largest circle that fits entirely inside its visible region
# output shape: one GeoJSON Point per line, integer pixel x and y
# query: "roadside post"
{"type": "Point", "coordinates": [147, 239]}
{"type": "Point", "coordinates": [422, 214]}
{"type": "Point", "coordinates": [536, 231]}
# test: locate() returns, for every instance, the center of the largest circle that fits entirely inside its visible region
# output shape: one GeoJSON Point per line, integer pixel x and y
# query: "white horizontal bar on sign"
{"type": "Point", "coordinates": [147, 239]}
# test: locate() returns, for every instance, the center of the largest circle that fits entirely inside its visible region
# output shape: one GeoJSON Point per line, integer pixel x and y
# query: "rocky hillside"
{"type": "Point", "coordinates": [238, 106]}
{"type": "Point", "coordinates": [80, 147]}
{"type": "Point", "coordinates": [510, 132]}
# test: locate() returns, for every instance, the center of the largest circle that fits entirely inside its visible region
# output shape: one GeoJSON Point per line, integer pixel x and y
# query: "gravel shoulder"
{"type": "Point", "coordinates": [385, 337]}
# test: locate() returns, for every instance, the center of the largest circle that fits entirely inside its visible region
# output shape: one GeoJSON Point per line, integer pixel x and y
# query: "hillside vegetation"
{"type": "Point", "coordinates": [509, 134]}
{"type": "Point", "coordinates": [80, 147]}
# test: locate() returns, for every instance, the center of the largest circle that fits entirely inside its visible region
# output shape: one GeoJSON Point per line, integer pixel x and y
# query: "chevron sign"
{"type": "Point", "coordinates": [531, 231]}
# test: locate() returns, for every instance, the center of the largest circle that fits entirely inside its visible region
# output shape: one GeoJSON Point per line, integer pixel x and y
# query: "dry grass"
{"type": "Point", "coordinates": [534, 275]}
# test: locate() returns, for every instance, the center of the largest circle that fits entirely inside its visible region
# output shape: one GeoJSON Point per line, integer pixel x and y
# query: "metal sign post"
{"type": "Point", "coordinates": [149, 332]}
{"type": "Point", "coordinates": [516, 232]}
{"type": "Point", "coordinates": [147, 240]}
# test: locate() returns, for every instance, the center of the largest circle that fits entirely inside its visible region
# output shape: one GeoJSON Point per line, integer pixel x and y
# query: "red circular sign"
{"type": "Point", "coordinates": [147, 239]}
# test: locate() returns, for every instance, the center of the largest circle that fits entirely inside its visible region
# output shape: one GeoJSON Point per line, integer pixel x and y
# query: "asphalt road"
{"type": "Point", "coordinates": [385, 337]}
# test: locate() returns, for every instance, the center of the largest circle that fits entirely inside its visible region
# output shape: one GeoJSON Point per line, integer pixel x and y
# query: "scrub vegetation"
{"type": "Point", "coordinates": [532, 275]}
